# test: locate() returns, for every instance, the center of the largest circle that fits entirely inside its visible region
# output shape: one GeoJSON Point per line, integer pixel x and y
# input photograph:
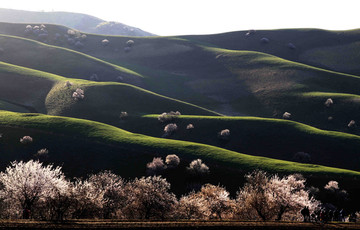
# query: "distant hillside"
{"type": "Point", "coordinates": [82, 22]}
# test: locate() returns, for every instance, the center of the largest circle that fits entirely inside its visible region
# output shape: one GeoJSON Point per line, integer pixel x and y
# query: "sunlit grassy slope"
{"type": "Point", "coordinates": [280, 139]}
{"type": "Point", "coordinates": [62, 61]}
{"type": "Point", "coordinates": [84, 146]}
{"type": "Point", "coordinates": [47, 93]}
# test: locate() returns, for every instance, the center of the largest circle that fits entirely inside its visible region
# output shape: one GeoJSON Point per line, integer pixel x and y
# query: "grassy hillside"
{"type": "Point", "coordinates": [280, 139]}
{"type": "Point", "coordinates": [334, 50]}
{"type": "Point", "coordinates": [60, 61]}
{"type": "Point", "coordinates": [83, 22]}
{"type": "Point", "coordinates": [230, 82]}
{"type": "Point", "coordinates": [47, 93]}
{"type": "Point", "coordinates": [83, 146]}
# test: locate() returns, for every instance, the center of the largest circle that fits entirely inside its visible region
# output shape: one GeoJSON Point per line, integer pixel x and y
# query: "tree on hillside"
{"type": "Point", "coordinates": [26, 185]}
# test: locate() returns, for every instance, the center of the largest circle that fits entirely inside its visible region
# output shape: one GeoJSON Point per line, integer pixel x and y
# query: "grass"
{"type": "Point", "coordinates": [103, 101]}
{"type": "Point", "coordinates": [61, 61]}
{"type": "Point", "coordinates": [229, 81]}
{"type": "Point", "coordinates": [87, 131]}
{"type": "Point", "coordinates": [274, 138]}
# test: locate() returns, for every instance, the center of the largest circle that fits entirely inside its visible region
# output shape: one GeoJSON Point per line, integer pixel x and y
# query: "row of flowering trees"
{"type": "Point", "coordinates": [33, 190]}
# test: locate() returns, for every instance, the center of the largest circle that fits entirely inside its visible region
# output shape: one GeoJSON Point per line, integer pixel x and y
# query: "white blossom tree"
{"type": "Point", "coordinates": [149, 197]}
{"type": "Point", "coordinates": [191, 207]}
{"type": "Point", "coordinates": [217, 201]}
{"type": "Point", "coordinates": [155, 166]}
{"type": "Point", "coordinates": [172, 160]}
{"type": "Point", "coordinates": [197, 167]}
{"type": "Point", "coordinates": [27, 184]}
{"type": "Point", "coordinates": [274, 197]}
{"type": "Point", "coordinates": [112, 187]}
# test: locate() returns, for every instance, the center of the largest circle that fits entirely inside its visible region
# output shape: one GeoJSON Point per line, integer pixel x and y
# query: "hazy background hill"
{"type": "Point", "coordinates": [83, 22]}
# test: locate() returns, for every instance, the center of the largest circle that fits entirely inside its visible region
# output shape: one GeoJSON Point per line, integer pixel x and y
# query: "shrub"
{"type": "Point", "coordinates": [302, 157]}
{"type": "Point", "coordinates": [352, 124]}
{"type": "Point", "coordinates": [71, 33]}
{"type": "Point", "coordinates": [83, 37]}
{"type": "Point", "coordinates": [224, 134]}
{"type": "Point", "coordinates": [79, 45]}
{"type": "Point", "coordinates": [119, 78]}
{"type": "Point", "coordinates": [71, 41]}
{"type": "Point", "coordinates": [42, 37]}
{"type": "Point", "coordinates": [78, 94]}
{"type": "Point", "coordinates": [197, 167]}
{"type": "Point", "coordinates": [170, 128]}
{"type": "Point", "coordinates": [329, 102]}
{"type": "Point", "coordinates": [250, 32]}
{"type": "Point", "coordinates": [168, 116]}
{"type": "Point", "coordinates": [332, 185]}
{"type": "Point", "coordinates": [291, 46]}
{"type": "Point", "coordinates": [26, 140]}
{"type": "Point", "coordinates": [189, 126]}
{"type": "Point", "coordinates": [42, 152]}
{"type": "Point", "coordinates": [264, 40]}
{"type": "Point", "coordinates": [68, 84]}
{"type": "Point", "coordinates": [287, 115]}
{"type": "Point", "coordinates": [94, 77]}
{"type": "Point", "coordinates": [57, 36]}
{"type": "Point", "coordinates": [172, 161]}
{"type": "Point", "coordinates": [155, 166]}
{"type": "Point", "coordinates": [123, 115]}
{"type": "Point", "coordinates": [130, 43]}
{"type": "Point", "coordinates": [105, 42]}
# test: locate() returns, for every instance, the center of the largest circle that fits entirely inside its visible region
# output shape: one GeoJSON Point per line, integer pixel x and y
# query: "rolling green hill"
{"type": "Point", "coordinates": [230, 82]}
{"type": "Point", "coordinates": [46, 93]}
{"type": "Point", "coordinates": [84, 146]}
{"type": "Point", "coordinates": [334, 50]}
{"type": "Point", "coordinates": [274, 138]}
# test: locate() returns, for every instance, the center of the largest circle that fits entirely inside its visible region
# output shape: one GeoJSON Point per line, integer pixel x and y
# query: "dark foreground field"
{"type": "Point", "coordinates": [113, 224]}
